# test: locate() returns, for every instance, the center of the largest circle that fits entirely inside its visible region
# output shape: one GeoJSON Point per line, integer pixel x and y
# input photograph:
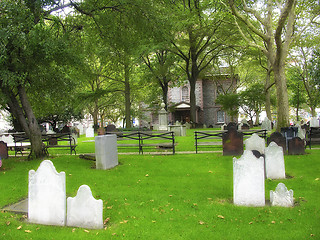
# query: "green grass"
{"type": "Point", "coordinates": [182, 196]}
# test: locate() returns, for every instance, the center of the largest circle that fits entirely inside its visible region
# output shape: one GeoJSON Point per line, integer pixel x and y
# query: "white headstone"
{"type": "Point", "coordinates": [281, 196]}
{"type": "Point", "coordinates": [255, 143]}
{"type": "Point", "coordinates": [106, 151]}
{"type": "Point", "coordinates": [90, 132]}
{"type": "Point", "coordinates": [314, 122]}
{"type": "Point", "coordinates": [8, 139]}
{"type": "Point", "coordinates": [84, 210]}
{"type": "Point", "coordinates": [274, 160]}
{"type": "Point", "coordinates": [301, 132]}
{"type": "Point", "coordinates": [47, 195]}
{"type": "Point", "coordinates": [248, 180]}
{"type": "Point", "coordinates": [240, 126]}
{"type": "Point", "coordinates": [80, 127]}
{"type": "Point", "coordinates": [266, 124]}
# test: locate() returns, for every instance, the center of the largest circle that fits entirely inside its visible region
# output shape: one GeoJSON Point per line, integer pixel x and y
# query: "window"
{"type": "Point", "coordinates": [185, 94]}
{"type": "Point", "coordinates": [219, 90]}
{"type": "Point", "coordinates": [220, 116]}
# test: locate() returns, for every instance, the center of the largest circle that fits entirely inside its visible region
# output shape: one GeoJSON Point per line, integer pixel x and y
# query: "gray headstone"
{"type": "Point", "coordinates": [274, 161]}
{"type": "Point", "coordinates": [232, 143]}
{"type": "Point", "coordinates": [255, 143]}
{"type": "Point", "coordinates": [47, 195]}
{"type": "Point", "coordinates": [279, 139]}
{"type": "Point", "coordinates": [296, 146]}
{"type": "Point", "coordinates": [266, 124]}
{"type": "Point", "coordinates": [84, 210]}
{"type": "Point", "coordinates": [106, 151]}
{"type": "Point", "coordinates": [281, 196]}
{"type": "Point", "coordinates": [90, 132]}
{"type": "Point", "coordinates": [248, 180]}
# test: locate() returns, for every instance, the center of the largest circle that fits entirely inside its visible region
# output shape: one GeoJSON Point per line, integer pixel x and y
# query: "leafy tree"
{"type": "Point", "coordinates": [28, 50]}
{"type": "Point", "coordinates": [230, 104]}
{"type": "Point", "coordinates": [252, 100]}
{"type": "Point", "coordinates": [270, 27]}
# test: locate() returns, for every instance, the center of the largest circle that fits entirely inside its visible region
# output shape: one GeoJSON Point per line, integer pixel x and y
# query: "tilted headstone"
{"type": "Point", "coordinates": [248, 180]}
{"type": "Point", "coordinates": [47, 195]}
{"type": "Point", "coordinates": [279, 139]}
{"type": "Point", "coordinates": [255, 143]}
{"type": "Point", "coordinates": [3, 150]}
{"type": "Point", "coordinates": [266, 124]}
{"type": "Point", "coordinates": [111, 128]}
{"type": "Point", "coordinates": [90, 132]}
{"type": "Point", "coordinates": [296, 146]}
{"type": "Point", "coordinates": [314, 122]}
{"type": "Point", "coordinates": [232, 143]}
{"type": "Point", "coordinates": [106, 151]}
{"type": "Point", "coordinates": [84, 210]}
{"type": "Point", "coordinates": [231, 125]}
{"type": "Point", "coordinates": [281, 196]}
{"type": "Point", "coordinates": [274, 162]}
{"type": "Point", "coordinates": [223, 127]}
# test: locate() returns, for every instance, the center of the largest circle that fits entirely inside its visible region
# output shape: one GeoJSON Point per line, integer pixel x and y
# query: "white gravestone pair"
{"type": "Point", "coordinates": [47, 201]}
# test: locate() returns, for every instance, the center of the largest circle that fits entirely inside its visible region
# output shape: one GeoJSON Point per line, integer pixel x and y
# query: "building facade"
{"type": "Point", "coordinates": [209, 112]}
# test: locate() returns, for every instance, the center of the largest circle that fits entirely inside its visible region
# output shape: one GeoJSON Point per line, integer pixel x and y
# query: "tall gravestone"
{"type": "Point", "coordinates": [47, 195]}
{"type": "Point", "coordinates": [163, 118]}
{"type": "Point", "coordinates": [90, 132]}
{"type": "Point", "coordinates": [255, 143]}
{"type": "Point", "coordinates": [232, 143]}
{"type": "Point", "coordinates": [106, 151]}
{"type": "Point", "coordinates": [314, 122]}
{"type": "Point", "coordinates": [266, 124]}
{"type": "Point", "coordinates": [274, 162]}
{"type": "Point", "coordinates": [281, 196]}
{"type": "Point", "coordinates": [84, 210]}
{"type": "Point", "coordinates": [248, 180]}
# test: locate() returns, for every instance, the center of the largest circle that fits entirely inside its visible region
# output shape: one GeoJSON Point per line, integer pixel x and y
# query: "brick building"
{"type": "Point", "coordinates": [207, 90]}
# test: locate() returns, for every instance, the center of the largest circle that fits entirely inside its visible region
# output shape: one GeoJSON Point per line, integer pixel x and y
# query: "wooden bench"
{"type": "Point", "coordinates": [145, 139]}
{"type": "Point", "coordinates": [312, 136]}
{"type": "Point", "coordinates": [66, 140]}
{"type": "Point", "coordinates": [208, 138]}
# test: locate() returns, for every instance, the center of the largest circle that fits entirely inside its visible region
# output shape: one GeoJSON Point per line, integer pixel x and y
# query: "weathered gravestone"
{"type": "Point", "coordinates": [47, 195]}
{"type": "Point", "coordinates": [296, 146]}
{"type": "Point", "coordinates": [3, 150]}
{"type": "Point", "coordinates": [230, 125]}
{"type": "Point", "coordinates": [254, 142]}
{"type": "Point", "coordinates": [279, 139]}
{"type": "Point", "coordinates": [248, 180]}
{"type": "Point", "coordinates": [90, 132]}
{"type": "Point", "coordinates": [281, 196]}
{"type": "Point", "coordinates": [266, 124]}
{"type": "Point", "coordinates": [106, 151]}
{"type": "Point", "coordinates": [232, 143]}
{"type": "Point", "coordinates": [274, 162]}
{"type": "Point", "coordinates": [314, 122]}
{"type": "Point", "coordinates": [84, 210]}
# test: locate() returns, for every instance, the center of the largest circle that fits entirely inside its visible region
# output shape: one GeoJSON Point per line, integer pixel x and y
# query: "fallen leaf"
{"type": "Point", "coordinates": [317, 179]}
{"type": "Point", "coordinates": [110, 207]}
{"type": "Point", "coordinates": [170, 195]}
{"type": "Point", "coordinates": [220, 216]}
{"type": "Point", "coordinates": [8, 223]}
{"type": "Point", "coordinates": [201, 222]}
{"type": "Point", "coordinates": [106, 220]}
{"type": "Point", "coordinates": [273, 222]}
{"type": "Point", "coordinates": [153, 221]}
{"type": "Point", "coordinates": [73, 230]}
{"type": "Point", "coordinates": [19, 227]}
{"type": "Point", "coordinates": [86, 231]}
{"type": "Point", "coordinates": [147, 175]}
{"type": "Point", "coordinates": [210, 172]}
{"type": "Point", "coordinates": [250, 222]}
{"type": "Point", "coordinates": [27, 231]}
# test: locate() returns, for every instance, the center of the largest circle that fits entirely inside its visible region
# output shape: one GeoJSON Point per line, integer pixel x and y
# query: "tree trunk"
{"type": "Point", "coordinates": [193, 117]}
{"type": "Point", "coordinates": [282, 97]}
{"type": "Point", "coordinates": [127, 95]}
{"type": "Point", "coordinates": [267, 92]}
{"type": "Point", "coordinates": [34, 131]}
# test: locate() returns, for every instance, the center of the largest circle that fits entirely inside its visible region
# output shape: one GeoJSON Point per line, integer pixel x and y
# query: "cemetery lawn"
{"type": "Point", "coordinates": [182, 196]}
